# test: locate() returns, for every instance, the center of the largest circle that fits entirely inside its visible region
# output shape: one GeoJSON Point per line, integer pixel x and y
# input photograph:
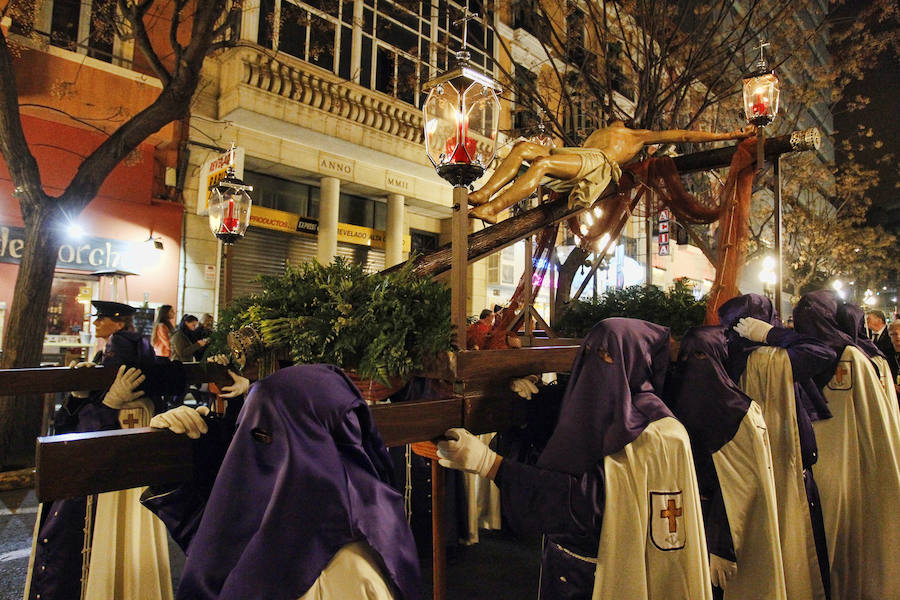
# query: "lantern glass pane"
{"type": "Point", "coordinates": [761, 98]}
{"type": "Point", "coordinates": [442, 118]}
{"type": "Point", "coordinates": [483, 112]}
{"type": "Point", "coordinates": [229, 211]}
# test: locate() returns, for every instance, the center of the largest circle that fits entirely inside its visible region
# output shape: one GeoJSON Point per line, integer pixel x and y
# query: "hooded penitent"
{"type": "Point", "coordinates": [734, 465]}
{"type": "Point", "coordinates": [305, 475]}
{"type": "Point", "coordinates": [613, 393]}
{"type": "Point", "coordinates": [859, 463]}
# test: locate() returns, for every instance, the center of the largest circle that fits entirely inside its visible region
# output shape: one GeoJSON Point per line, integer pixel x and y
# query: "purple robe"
{"type": "Point", "coordinates": [612, 396]}
{"type": "Point", "coordinates": [711, 407]}
{"type": "Point", "coordinates": [809, 358]}
{"type": "Point", "coordinates": [306, 474]}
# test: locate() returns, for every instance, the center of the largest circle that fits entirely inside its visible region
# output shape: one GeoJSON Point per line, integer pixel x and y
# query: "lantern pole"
{"type": "Point", "coordinates": [778, 251]}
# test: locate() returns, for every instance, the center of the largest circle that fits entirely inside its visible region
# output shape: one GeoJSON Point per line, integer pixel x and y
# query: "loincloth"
{"type": "Point", "coordinates": [594, 175]}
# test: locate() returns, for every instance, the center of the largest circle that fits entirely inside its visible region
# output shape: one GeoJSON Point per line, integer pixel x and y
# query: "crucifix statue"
{"type": "Point", "coordinates": [585, 170]}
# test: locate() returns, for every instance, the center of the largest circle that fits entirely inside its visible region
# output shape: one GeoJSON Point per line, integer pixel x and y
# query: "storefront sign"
{"type": "Point", "coordinates": [364, 236]}
{"type": "Point", "coordinates": [280, 220]}
{"type": "Point", "coordinates": [213, 171]}
{"type": "Point", "coordinates": [270, 218]}
{"type": "Point", "coordinates": [305, 225]}
{"type": "Point", "coordinates": [397, 183]}
{"type": "Point", "coordinates": [339, 166]}
{"type": "Point", "coordinates": [209, 272]}
{"type": "Point", "coordinates": [87, 254]}
{"type": "Point", "coordinates": [664, 232]}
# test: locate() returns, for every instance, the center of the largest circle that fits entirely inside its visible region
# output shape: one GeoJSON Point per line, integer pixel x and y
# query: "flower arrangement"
{"type": "Point", "coordinates": [381, 326]}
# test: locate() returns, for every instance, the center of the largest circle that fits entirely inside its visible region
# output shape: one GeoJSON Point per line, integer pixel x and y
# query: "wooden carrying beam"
{"type": "Point", "coordinates": [78, 464]}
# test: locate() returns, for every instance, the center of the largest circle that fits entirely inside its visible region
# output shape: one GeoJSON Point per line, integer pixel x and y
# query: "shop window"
{"type": "Point", "coordinates": [67, 333]}
{"type": "Point", "coordinates": [364, 212]}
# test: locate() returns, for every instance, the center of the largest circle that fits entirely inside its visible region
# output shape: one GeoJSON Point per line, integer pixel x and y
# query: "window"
{"type": "Point", "coordinates": [401, 45]}
{"type": "Point", "coordinates": [282, 194]}
{"type": "Point", "coordinates": [85, 27]}
{"type": "Point", "coordinates": [526, 111]}
{"type": "Point", "coordinates": [313, 31]}
{"type": "Point", "coordinates": [422, 241]}
{"type": "Point", "coordinates": [493, 269]}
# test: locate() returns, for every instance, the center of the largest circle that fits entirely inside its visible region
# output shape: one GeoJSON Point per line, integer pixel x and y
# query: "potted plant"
{"type": "Point", "coordinates": [379, 328]}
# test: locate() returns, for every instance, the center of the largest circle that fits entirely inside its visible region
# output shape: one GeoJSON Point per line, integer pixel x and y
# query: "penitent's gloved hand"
{"type": "Point", "coordinates": [465, 452]}
{"type": "Point", "coordinates": [124, 388]}
{"type": "Point", "coordinates": [238, 388]}
{"type": "Point", "coordinates": [721, 570]}
{"type": "Point", "coordinates": [182, 419]}
{"type": "Point", "coordinates": [81, 365]}
{"type": "Point", "coordinates": [752, 329]}
{"type": "Point", "coordinates": [524, 387]}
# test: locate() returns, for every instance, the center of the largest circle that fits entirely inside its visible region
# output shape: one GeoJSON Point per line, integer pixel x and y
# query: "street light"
{"type": "Point", "coordinates": [761, 91]}
{"type": "Point", "coordinates": [461, 116]}
{"type": "Point", "coordinates": [229, 206]}
{"type": "Point", "coordinates": [229, 214]}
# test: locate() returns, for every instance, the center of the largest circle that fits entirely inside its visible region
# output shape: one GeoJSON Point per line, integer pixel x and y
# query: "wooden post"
{"type": "Point", "coordinates": [438, 544]}
{"type": "Point", "coordinates": [529, 291]}
{"type": "Point", "coordinates": [459, 237]}
{"type": "Point", "coordinates": [778, 254]}
{"type": "Point", "coordinates": [226, 260]}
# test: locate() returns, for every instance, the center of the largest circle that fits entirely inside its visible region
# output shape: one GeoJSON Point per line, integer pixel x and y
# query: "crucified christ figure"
{"type": "Point", "coordinates": [586, 171]}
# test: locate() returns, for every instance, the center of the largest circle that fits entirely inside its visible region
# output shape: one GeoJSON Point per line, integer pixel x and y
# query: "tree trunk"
{"type": "Point", "coordinates": [20, 416]}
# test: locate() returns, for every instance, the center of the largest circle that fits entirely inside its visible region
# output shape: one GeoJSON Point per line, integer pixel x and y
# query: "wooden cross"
{"type": "Point", "coordinates": [839, 374]}
{"type": "Point", "coordinates": [671, 513]}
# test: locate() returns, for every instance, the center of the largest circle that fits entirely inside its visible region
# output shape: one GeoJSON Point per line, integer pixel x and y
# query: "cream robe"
{"type": "Point", "coordinates": [768, 380]}
{"type": "Point", "coordinates": [482, 501]}
{"type": "Point", "coordinates": [858, 473]}
{"type": "Point", "coordinates": [884, 374]}
{"type": "Point", "coordinates": [744, 469]}
{"type": "Point", "coordinates": [353, 573]}
{"type": "Point", "coordinates": [652, 544]}
{"type": "Point", "coordinates": [130, 549]}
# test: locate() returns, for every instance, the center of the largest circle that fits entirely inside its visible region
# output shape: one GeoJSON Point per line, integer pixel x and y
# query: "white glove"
{"type": "Point", "coordinates": [465, 452]}
{"type": "Point", "coordinates": [124, 388]}
{"type": "Point", "coordinates": [524, 387]}
{"type": "Point", "coordinates": [80, 365]}
{"type": "Point", "coordinates": [721, 570]}
{"type": "Point", "coordinates": [238, 388]}
{"type": "Point", "coordinates": [182, 419]}
{"type": "Point", "coordinates": [220, 359]}
{"type": "Point", "coordinates": [752, 329]}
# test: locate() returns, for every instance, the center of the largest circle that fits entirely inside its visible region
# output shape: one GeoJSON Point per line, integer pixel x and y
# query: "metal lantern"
{"type": "Point", "coordinates": [462, 118]}
{"type": "Point", "coordinates": [229, 206]}
{"type": "Point", "coordinates": [761, 91]}
{"type": "Point", "coordinates": [541, 137]}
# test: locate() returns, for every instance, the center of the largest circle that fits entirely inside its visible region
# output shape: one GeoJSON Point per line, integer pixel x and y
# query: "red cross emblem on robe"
{"type": "Point", "coordinates": [667, 528]}
{"type": "Point", "coordinates": [843, 376]}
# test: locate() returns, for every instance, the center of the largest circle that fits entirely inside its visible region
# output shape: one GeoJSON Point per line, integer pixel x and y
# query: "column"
{"type": "Point", "coordinates": [396, 230]}
{"type": "Point", "coordinates": [329, 202]}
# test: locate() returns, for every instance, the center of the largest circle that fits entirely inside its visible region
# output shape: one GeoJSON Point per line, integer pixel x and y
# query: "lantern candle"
{"type": "Point", "coordinates": [461, 153]}
{"type": "Point", "coordinates": [229, 221]}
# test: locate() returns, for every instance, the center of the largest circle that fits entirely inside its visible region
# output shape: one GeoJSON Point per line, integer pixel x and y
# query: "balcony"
{"type": "Point", "coordinates": [294, 91]}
